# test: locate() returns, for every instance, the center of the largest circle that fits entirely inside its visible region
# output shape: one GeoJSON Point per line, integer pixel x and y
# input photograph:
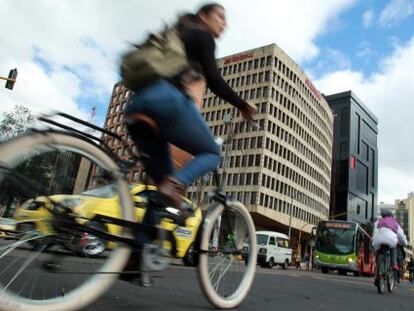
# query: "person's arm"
{"type": "Point", "coordinates": [204, 51]}
{"type": "Point", "coordinates": [402, 239]}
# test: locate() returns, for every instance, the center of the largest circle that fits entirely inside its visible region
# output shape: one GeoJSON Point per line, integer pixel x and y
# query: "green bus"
{"type": "Point", "coordinates": [344, 246]}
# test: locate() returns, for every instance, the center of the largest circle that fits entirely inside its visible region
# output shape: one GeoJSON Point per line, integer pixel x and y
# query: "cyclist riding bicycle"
{"type": "Point", "coordinates": [169, 102]}
{"type": "Point", "coordinates": [388, 232]}
{"type": "Point", "coordinates": [171, 106]}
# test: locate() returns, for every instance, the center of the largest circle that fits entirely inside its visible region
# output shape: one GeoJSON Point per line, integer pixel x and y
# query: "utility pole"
{"type": "Point", "coordinates": [11, 79]}
{"type": "Point", "coordinates": [84, 170]}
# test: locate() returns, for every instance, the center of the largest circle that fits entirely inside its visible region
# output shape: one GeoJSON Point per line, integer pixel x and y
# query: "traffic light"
{"type": "Point", "coordinates": [12, 76]}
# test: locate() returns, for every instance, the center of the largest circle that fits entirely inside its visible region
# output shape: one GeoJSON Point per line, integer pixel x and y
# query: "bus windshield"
{"type": "Point", "coordinates": [336, 241]}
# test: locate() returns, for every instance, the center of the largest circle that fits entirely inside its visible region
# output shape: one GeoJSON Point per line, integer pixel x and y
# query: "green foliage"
{"type": "Point", "coordinates": [15, 122]}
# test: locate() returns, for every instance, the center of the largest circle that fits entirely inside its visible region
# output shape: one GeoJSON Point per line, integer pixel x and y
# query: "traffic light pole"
{"type": "Point", "coordinates": [7, 79]}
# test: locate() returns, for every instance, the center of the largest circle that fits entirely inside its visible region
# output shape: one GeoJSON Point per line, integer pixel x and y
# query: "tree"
{"type": "Point", "coordinates": [16, 122]}
{"type": "Point", "coordinates": [40, 172]}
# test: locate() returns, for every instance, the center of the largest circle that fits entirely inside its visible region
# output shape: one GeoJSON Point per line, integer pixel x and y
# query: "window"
{"type": "Point", "coordinates": [272, 241]}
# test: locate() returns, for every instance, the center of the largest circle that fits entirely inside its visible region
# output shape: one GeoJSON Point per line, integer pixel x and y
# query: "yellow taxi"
{"type": "Point", "coordinates": [33, 216]}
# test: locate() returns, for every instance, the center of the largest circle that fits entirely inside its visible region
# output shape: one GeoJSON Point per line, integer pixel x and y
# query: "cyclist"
{"type": "Point", "coordinates": [387, 231]}
{"type": "Point", "coordinates": [170, 104]}
{"type": "Point", "coordinates": [400, 261]}
{"type": "Point", "coordinates": [180, 123]}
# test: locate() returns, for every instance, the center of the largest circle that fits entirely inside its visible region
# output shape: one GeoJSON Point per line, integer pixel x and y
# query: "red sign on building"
{"type": "Point", "coordinates": [313, 89]}
{"type": "Point", "coordinates": [237, 58]}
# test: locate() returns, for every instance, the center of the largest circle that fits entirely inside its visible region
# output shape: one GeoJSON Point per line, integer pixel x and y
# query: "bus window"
{"type": "Point", "coordinates": [272, 241]}
{"type": "Point", "coordinates": [286, 243]}
{"type": "Point", "coordinates": [280, 242]}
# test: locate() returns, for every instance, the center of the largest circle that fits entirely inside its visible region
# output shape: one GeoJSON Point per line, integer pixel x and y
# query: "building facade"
{"type": "Point", "coordinates": [401, 214]}
{"type": "Point", "coordinates": [282, 171]}
{"type": "Point", "coordinates": [355, 159]}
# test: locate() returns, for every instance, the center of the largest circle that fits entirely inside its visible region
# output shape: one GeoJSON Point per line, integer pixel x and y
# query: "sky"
{"type": "Point", "coordinates": [67, 53]}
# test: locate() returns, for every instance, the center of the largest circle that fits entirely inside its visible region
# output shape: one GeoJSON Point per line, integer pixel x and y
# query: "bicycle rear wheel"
{"type": "Point", "coordinates": [226, 276]}
{"type": "Point", "coordinates": [381, 273]}
{"type": "Point", "coordinates": [39, 269]}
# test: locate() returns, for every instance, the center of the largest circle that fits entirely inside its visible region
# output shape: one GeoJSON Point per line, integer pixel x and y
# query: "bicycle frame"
{"type": "Point", "coordinates": [65, 221]}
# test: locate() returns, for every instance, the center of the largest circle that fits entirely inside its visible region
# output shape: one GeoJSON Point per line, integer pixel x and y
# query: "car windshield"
{"type": "Point", "coordinates": [336, 241]}
{"type": "Point", "coordinates": [262, 239]}
{"type": "Point", "coordinates": [107, 191]}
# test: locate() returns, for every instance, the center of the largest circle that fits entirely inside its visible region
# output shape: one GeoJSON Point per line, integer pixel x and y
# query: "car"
{"type": "Point", "coordinates": [33, 216]}
{"type": "Point", "coordinates": [7, 228]}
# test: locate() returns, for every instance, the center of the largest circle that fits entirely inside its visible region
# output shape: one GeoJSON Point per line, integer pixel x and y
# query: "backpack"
{"type": "Point", "coordinates": [162, 55]}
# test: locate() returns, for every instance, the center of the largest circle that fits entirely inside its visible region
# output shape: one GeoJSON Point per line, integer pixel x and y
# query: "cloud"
{"type": "Point", "coordinates": [367, 18]}
{"type": "Point", "coordinates": [364, 50]}
{"type": "Point", "coordinates": [67, 52]}
{"type": "Point", "coordinates": [331, 60]}
{"type": "Point", "coordinates": [395, 12]}
{"type": "Point", "coordinates": [388, 94]}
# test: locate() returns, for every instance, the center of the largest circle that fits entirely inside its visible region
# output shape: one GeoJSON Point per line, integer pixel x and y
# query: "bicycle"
{"type": "Point", "coordinates": [384, 272]}
{"type": "Point", "coordinates": [37, 277]}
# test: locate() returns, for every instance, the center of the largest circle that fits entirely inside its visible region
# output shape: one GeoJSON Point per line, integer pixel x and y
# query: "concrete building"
{"type": "Point", "coordinates": [281, 172]}
{"type": "Point", "coordinates": [401, 214]}
{"type": "Point", "coordinates": [355, 159]}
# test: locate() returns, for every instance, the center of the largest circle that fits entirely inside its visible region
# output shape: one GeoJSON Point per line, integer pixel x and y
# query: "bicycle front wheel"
{"type": "Point", "coordinates": [39, 173]}
{"type": "Point", "coordinates": [228, 255]}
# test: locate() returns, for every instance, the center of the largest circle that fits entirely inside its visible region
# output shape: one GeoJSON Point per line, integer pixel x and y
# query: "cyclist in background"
{"type": "Point", "coordinates": [387, 231]}
{"type": "Point", "coordinates": [410, 268]}
{"type": "Point", "coordinates": [170, 104]}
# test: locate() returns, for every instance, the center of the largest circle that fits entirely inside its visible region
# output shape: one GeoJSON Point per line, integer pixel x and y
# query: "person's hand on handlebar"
{"type": "Point", "coordinates": [248, 112]}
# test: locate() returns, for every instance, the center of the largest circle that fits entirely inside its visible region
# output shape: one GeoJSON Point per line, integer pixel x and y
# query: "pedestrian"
{"type": "Point", "coordinates": [307, 261]}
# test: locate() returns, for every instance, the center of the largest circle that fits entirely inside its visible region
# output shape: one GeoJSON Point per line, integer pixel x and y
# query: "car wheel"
{"type": "Point", "coordinates": [271, 263]}
{"type": "Point", "coordinates": [88, 245]}
{"type": "Point", "coordinates": [190, 257]}
{"type": "Point", "coordinates": [324, 270]}
{"type": "Point", "coordinates": [285, 265]}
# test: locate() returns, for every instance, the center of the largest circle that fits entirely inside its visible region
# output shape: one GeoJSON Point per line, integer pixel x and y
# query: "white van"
{"type": "Point", "coordinates": [273, 248]}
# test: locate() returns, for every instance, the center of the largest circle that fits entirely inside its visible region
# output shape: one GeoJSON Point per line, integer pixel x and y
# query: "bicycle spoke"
{"type": "Point", "coordinates": [222, 273]}
{"type": "Point", "coordinates": [26, 263]}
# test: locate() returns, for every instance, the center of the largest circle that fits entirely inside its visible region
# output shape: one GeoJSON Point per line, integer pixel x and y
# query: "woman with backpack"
{"type": "Point", "coordinates": [169, 102]}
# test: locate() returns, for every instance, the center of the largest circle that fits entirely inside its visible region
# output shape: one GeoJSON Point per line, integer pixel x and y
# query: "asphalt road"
{"type": "Point", "coordinates": [178, 289]}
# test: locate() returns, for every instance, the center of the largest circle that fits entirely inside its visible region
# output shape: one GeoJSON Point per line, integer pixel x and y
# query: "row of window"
{"type": "Point", "coordinates": [246, 65]}
{"type": "Point", "coordinates": [279, 186]}
{"type": "Point", "coordinates": [262, 92]}
{"type": "Point", "coordinates": [255, 198]}
{"type": "Point", "coordinates": [283, 69]}
{"type": "Point", "coordinates": [257, 142]}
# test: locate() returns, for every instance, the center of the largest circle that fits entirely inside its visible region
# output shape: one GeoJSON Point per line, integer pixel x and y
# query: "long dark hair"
{"type": "Point", "coordinates": [207, 8]}
{"type": "Point", "coordinates": [188, 20]}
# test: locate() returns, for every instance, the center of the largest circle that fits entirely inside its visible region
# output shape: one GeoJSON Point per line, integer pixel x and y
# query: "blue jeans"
{"type": "Point", "coordinates": [182, 125]}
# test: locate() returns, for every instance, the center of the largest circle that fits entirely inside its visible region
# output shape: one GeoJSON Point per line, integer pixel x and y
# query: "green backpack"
{"type": "Point", "coordinates": [162, 55]}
